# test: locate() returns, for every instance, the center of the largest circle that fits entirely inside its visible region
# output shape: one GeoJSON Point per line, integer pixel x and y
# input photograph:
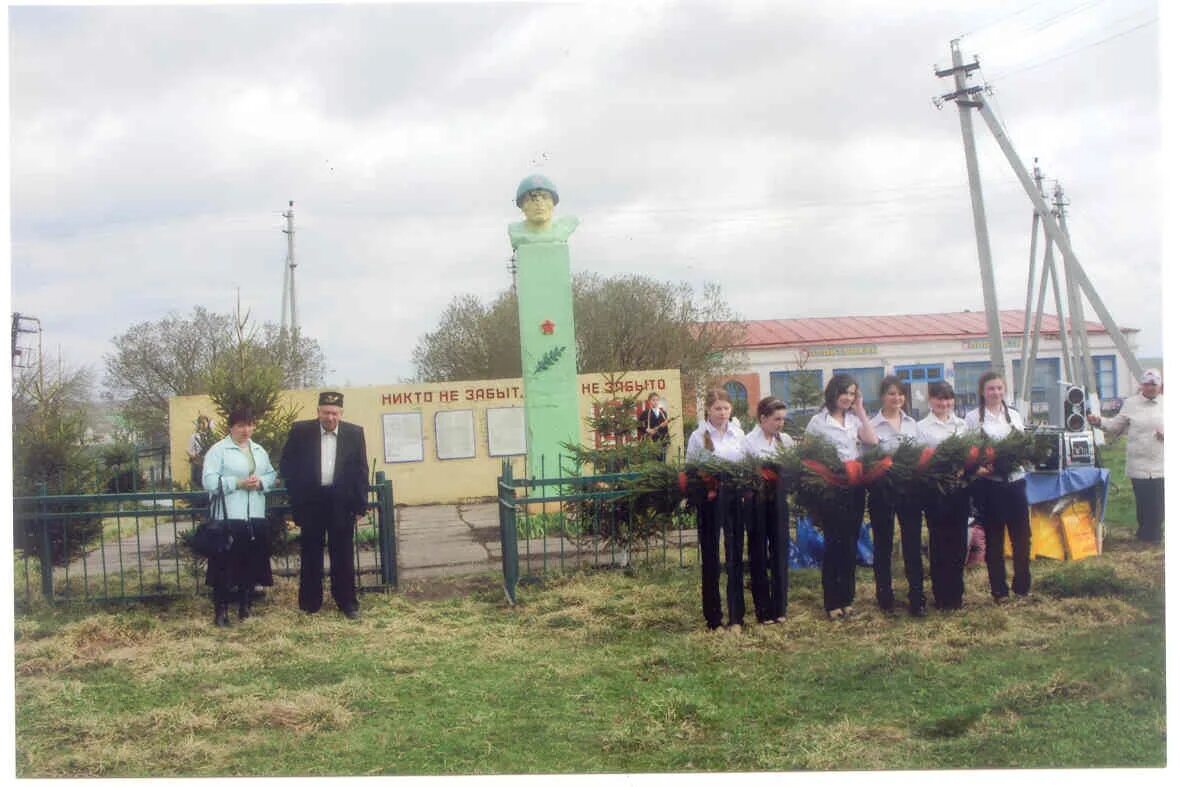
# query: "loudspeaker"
{"type": "Point", "coordinates": [1075, 409]}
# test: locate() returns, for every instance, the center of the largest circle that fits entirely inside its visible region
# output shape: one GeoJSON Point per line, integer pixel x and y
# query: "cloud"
{"type": "Point", "coordinates": [789, 151]}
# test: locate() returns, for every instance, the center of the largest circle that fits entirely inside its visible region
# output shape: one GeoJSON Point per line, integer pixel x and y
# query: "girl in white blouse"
{"type": "Point", "coordinates": [767, 520]}
{"type": "Point", "coordinates": [721, 437]}
{"type": "Point", "coordinates": [946, 513]}
{"type": "Point", "coordinates": [1001, 501]}
{"type": "Point", "coordinates": [844, 423]}
{"type": "Point", "coordinates": [893, 425]}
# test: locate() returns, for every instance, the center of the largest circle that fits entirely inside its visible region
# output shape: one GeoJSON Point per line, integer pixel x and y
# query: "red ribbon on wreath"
{"type": "Point", "coordinates": [855, 471]}
{"type": "Point", "coordinates": [972, 457]}
{"type": "Point", "coordinates": [823, 471]}
{"type": "Point", "coordinates": [682, 480]}
{"type": "Point", "coordinates": [769, 475]}
{"type": "Point", "coordinates": [925, 457]}
{"type": "Point", "coordinates": [879, 470]}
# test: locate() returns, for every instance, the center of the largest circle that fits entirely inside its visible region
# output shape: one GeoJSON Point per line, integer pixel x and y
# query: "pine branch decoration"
{"type": "Point", "coordinates": [549, 359]}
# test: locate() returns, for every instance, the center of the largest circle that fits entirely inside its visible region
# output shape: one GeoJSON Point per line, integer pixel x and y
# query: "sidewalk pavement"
{"type": "Point", "coordinates": [447, 540]}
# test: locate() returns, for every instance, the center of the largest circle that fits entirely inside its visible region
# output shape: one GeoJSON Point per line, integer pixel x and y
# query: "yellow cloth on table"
{"type": "Point", "coordinates": [1069, 535]}
{"type": "Point", "coordinates": [1081, 537]}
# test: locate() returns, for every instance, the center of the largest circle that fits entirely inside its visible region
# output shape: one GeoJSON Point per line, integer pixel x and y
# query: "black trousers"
{"type": "Point", "coordinates": [769, 543]}
{"type": "Point", "coordinates": [1005, 504]}
{"type": "Point", "coordinates": [1149, 508]}
{"type": "Point", "coordinates": [317, 519]}
{"type": "Point", "coordinates": [840, 519]}
{"type": "Point", "coordinates": [883, 508]}
{"type": "Point", "coordinates": [946, 522]}
{"type": "Point", "coordinates": [716, 518]}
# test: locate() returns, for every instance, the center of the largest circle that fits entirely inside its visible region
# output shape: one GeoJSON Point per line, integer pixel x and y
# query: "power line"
{"type": "Point", "coordinates": [1074, 51]}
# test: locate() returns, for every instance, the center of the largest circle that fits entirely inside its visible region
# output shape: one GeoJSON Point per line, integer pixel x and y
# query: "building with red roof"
{"type": "Point", "coordinates": [787, 358]}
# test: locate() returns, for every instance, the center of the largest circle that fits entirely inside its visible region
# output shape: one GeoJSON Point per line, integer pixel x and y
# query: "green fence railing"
{"type": "Point", "coordinates": [131, 546]}
{"type": "Point", "coordinates": [555, 524]}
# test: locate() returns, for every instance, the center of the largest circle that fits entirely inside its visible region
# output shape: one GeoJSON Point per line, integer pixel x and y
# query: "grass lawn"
{"type": "Point", "coordinates": [603, 672]}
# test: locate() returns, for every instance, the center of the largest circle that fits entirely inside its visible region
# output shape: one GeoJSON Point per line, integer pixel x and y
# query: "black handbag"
{"type": "Point", "coordinates": [214, 536]}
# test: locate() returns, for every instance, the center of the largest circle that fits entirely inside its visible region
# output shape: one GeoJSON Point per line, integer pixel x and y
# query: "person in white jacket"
{"type": "Point", "coordinates": [767, 525]}
{"type": "Point", "coordinates": [1141, 419]}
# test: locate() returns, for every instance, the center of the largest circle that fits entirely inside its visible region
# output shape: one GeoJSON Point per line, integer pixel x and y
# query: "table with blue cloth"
{"type": "Point", "coordinates": [807, 548]}
{"type": "Point", "coordinates": [1091, 482]}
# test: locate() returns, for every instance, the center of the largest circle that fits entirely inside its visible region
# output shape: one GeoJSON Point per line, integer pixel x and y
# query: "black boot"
{"type": "Point", "coordinates": [244, 605]}
{"type": "Point", "coordinates": [221, 614]}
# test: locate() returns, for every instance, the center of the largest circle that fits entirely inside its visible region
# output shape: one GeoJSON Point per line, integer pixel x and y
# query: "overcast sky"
{"type": "Point", "coordinates": [789, 151]}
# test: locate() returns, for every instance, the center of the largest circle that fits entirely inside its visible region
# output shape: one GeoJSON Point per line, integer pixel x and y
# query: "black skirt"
{"type": "Point", "coordinates": [247, 563]}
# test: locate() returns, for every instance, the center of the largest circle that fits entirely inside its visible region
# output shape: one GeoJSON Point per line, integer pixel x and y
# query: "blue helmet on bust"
{"type": "Point", "coordinates": [535, 183]}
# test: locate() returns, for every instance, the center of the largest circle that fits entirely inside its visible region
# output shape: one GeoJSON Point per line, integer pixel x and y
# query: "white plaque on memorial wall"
{"type": "Point", "coordinates": [454, 434]}
{"type": "Point", "coordinates": [403, 437]}
{"type": "Point", "coordinates": [505, 431]}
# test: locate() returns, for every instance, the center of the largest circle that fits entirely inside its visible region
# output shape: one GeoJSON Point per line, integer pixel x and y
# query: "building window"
{"type": "Point", "coordinates": [1104, 374]}
{"type": "Point", "coordinates": [739, 398]}
{"type": "Point", "coordinates": [967, 376]}
{"type": "Point", "coordinates": [868, 380]}
{"type": "Point", "coordinates": [800, 389]}
{"type": "Point", "coordinates": [922, 373]}
{"type": "Point", "coordinates": [1045, 394]}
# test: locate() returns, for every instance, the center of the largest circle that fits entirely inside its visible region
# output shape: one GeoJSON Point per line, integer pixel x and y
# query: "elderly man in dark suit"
{"type": "Point", "coordinates": [326, 475]}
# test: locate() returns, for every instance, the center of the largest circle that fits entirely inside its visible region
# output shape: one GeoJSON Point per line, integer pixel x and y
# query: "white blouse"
{"type": "Point", "coordinates": [728, 445]}
{"type": "Point", "coordinates": [758, 444]}
{"type": "Point", "coordinates": [844, 437]}
{"type": "Point", "coordinates": [888, 437]}
{"type": "Point", "coordinates": [932, 430]}
{"type": "Point", "coordinates": [997, 427]}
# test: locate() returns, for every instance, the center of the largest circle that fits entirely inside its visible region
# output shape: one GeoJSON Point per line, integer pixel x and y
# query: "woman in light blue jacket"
{"type": "Point", "coordinates": [241, 469]}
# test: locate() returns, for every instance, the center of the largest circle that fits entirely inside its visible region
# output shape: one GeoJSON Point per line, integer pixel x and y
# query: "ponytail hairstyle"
{"type": "Point", "coordinates": [984, 379]}
{"type": "Point", "coordinates": [769, 405]}
{"type": "Point", "coordinates": [712, 396]}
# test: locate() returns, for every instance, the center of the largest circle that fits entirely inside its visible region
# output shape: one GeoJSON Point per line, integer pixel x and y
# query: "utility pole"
{"type": "Point", "coordinates": [22, 353]}
{"type": "Point", "coordinates": [961, 97]}
{"type": "Point", "coordinates": [1083, 367]}
{"type": "Point", "coordinates": [1072, 266]}
{"type": "Point", "coordinates": [968, 98]}
{"type": "Point", "coordinates": [288, 321]}
{"type": "Point", "coordinates": [1032, 321]}
{"type": "Point", "coordinates": [1025, 403]}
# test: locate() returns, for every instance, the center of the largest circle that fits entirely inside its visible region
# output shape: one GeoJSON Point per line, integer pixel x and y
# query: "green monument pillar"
{"type": "Point", "coordinates": [548, 350]}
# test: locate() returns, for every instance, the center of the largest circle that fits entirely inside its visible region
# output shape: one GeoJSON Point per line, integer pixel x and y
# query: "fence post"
{"type": "Point", "coordinates": [509, 559]}
{"type": "Point", "coordinates": [386, 534]}
{"type": "Point", "coordinates": [46, 550]}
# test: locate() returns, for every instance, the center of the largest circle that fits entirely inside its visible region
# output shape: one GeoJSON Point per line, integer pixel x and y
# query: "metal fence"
{"type": "Point", "coordinates": [131, 546]}
{"type": "Point", "coordinates": [577, 521]}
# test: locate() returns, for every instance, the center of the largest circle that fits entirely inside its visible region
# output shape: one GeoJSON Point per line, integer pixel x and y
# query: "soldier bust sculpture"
{"type": "Point", "coordinates": [536, 196]}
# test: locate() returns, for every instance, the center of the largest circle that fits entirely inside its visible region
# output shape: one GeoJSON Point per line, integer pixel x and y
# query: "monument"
{"type": "Point", "coordinates": [548, 350]}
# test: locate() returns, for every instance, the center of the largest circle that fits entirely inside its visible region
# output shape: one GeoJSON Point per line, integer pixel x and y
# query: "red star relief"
{"type": "Point", "coordinates": [547, 327]}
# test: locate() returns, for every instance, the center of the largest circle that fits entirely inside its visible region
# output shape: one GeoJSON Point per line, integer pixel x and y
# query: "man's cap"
{"type": "Point", "coordinates": [535, 183]}
{"type": "Point", "coordinates": [331, 398]}
{"type": "Point", "coordinates": [1151, 376]}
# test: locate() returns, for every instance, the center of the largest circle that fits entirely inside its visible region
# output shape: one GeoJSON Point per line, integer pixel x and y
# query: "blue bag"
{"type": "Point", "coordinates": [807, 548]}
{"type": "Point", "coordinates": [864, 546]}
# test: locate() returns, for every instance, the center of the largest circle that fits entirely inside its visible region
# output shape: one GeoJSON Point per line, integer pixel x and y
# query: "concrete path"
{"type": "Point", "coordinates": [447, 540]}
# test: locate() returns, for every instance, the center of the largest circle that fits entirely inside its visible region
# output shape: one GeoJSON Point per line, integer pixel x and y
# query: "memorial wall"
{"type": "Point", "coordinates": [444, 442]}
